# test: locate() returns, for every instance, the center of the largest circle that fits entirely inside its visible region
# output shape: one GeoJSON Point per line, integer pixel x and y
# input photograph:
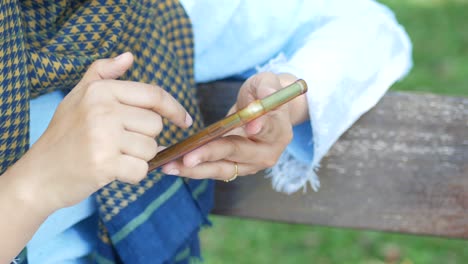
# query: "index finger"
{"type": "Point", "coordinates": [151, 97]}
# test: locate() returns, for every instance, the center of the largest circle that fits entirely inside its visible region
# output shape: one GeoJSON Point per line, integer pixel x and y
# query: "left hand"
{"type": "Point", "coordinates": [254, 147]}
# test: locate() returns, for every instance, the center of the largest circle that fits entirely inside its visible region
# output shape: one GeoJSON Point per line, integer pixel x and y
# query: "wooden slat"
{"type": "Point", "coordinates": [402, 167]}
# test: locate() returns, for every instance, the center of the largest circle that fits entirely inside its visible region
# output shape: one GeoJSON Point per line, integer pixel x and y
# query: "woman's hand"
{"type": "Point", "coordinates": [254, 147]}
{"type": "Point", "coordinates": [104, 130]}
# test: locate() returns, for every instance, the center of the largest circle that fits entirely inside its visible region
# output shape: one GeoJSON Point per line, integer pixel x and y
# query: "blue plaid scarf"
{"type": "Point", "coordinates": [48, 45]}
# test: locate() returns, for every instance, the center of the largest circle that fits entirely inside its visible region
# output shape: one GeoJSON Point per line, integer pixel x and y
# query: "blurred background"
{"type": "Point", "coordinates": [439, 32]}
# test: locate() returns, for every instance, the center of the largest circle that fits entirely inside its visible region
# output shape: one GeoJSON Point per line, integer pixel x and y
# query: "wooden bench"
{"type": "Point", "coordinates": [402, 167]}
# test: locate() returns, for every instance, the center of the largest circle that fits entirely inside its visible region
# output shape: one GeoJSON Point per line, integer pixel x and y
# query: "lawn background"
{"type": "Point", "coordinates": [439, 32]}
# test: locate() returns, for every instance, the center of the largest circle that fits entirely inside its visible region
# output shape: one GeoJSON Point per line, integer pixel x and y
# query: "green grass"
{"type": "Point", "coordinates": [440, 44]}
{"type": "Point", "coordinates": [439, 32]}
{"type": "Point", "coordinates": [246, 241]}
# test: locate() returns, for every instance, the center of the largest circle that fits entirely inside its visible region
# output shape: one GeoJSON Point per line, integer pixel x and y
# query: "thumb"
{"type": "Point", "coordinates": [111, 68]}
{"type": "Point", "coordinates": [257, 87]}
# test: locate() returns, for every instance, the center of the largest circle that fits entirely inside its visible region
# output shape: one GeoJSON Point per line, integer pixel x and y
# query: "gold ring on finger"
{"type": "Point", "coordinates": [236, 173]}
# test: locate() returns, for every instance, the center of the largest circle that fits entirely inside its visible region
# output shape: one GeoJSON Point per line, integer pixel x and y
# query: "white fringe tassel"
{"type": "Point", "coordinates": [290, 175]}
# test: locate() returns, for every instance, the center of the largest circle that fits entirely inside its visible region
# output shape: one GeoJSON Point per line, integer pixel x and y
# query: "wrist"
{"type": "Point", "coordinates": [25, 189]}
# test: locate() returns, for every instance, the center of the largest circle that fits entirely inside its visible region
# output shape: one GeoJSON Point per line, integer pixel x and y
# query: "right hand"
{"type": "Point", "coordinates": [103, 130]}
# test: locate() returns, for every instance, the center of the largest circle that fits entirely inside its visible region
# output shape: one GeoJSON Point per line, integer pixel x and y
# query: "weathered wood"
{"type": "Point", "coordinates": [402, 167]}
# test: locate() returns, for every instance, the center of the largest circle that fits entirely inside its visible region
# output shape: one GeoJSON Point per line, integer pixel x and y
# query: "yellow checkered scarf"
{"type": "Point", "coordinates": [48, 45]}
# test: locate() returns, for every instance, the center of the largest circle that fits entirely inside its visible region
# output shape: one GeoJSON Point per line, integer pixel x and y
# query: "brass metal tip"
{"type": "Point", "coordinates": [303, 85]}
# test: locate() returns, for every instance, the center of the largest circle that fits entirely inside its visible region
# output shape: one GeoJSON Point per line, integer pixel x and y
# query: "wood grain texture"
{"type": "Point", "coordinates": [402, 167]}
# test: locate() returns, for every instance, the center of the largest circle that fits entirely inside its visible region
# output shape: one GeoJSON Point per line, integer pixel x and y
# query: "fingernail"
{"type": "Point", "coordinates": [188, 119]}
{"type": "Point", "coordinates": [173, 172]}
{"type": "Point", "coordinates": [161, 148]}
{"type": "Point", "coordinates": [119, 56]}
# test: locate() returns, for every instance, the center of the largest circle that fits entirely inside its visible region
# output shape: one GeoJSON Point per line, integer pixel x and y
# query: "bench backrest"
{"type": "Point", "coordinates": [402, 167]}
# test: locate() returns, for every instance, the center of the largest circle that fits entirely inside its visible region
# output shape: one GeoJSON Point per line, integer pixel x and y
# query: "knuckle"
{"type": "Point", "coordinates": [100, 144]}
{"type": "Point", "coordinates": [259, 77]}
{"type": "Point", "coordinates": [256, 79]}
{"type": "Point", "coordinates": [96, 65]}
{"type": "Point", "coordinates": [98, 112]}
{"type": "Point", "coordinates": [95, 84]}
{"type": "Point", "coordinates": [157, 126]}
{"type": "Point", "coordinates": [155, 93]}
{"type": "Point", "coordinates": [139, 171]}
{"type": "Point", "coordinates": [269, 75]}
{"type": "Point", "coordinates": [151, 149]}
{"type": "Point", "coordinates": [142, 170]}
{"type": "Point", "coordinates": [269, 131]}
{"type": "Point", "coordinates": [233, 148]}
{"type": "Point", "coordinates": [105, 178]}
{"type": "Point", "coordinates": [98, 168]}
{"type": "Point", "coordinates": [95, 109]}
{"type": "Point", "coordinates": [94, 94]}
{"type": "Point", "coordinates": [97, 124]}
{"type": "Point", "coordinates": [221, 171]}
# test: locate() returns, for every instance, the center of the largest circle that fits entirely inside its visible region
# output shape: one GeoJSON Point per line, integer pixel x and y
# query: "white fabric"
{"type": "Point", "coordinates": [349, 52]}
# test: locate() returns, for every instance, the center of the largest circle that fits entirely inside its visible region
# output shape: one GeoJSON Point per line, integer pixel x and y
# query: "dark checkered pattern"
{"type": "Point", "coordinates": [14, 84]}
{"type": "Point", "coordinates": [48, 45]}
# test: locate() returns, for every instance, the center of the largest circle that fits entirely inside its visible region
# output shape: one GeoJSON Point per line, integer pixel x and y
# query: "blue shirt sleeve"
{"type": "Point", "coordinates": [68, 235]}
{"type": "Point", "coordinates": [301, 145]}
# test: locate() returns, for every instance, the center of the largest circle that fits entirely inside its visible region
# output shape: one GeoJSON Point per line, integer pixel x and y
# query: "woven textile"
{"type": "Point", "coordinates": [48, 45]}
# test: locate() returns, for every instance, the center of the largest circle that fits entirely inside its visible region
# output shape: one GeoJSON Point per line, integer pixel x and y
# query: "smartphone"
{"type": "Point", "coordinates": [254, 110]}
